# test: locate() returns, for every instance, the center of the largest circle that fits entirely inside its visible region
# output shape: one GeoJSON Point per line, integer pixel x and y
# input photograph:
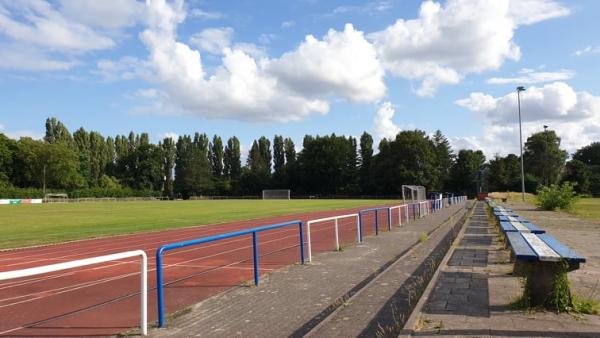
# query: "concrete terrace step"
{"type": "Point", "coordinates": [295, 300]}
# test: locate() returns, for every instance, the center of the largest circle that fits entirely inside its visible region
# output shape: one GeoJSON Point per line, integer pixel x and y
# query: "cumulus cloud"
{"type": "Point", "coordinates": [446, 42]}
{"type": "Point", "coordinates": [239, 89]}
{"type": "Point", "coordinates": [530, 76]}
{"type": "Point", "coordinates": [383, 125]}
{"type": "Point", "coordinates": [213, 40]}
{"type": "Point", "coordinates": [342, 63]}
{"type": "Point", "coordinates": [173, 136]}
{"type": "Point", "coordinates": [114, 14]}
{"type": "Point", "coordinates": [574, 115]}
{"type": "Point", "coordinates": [57, 35]}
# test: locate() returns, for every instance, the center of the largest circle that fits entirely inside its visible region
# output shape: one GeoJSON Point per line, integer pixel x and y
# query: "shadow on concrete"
{"type": "Point", "coordinates": [460, 293]}
{"type": "Point", "coordinates": [469, 258]}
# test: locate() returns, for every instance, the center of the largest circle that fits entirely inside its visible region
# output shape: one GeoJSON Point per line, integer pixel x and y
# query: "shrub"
{"type": "Point", "coordinates": [557, 196]}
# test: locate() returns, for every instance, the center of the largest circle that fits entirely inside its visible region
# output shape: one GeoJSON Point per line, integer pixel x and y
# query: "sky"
{"type": "Point", "coordinates": [296, 67]}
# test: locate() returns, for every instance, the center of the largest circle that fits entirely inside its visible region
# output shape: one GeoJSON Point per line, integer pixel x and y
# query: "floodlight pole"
{"type": "Point", "coordinates": [519, 90]}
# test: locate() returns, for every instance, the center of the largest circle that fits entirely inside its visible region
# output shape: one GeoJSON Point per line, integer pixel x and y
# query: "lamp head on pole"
{"type": "Point", "coordinates": [545, 127]}
{"type": "Point", "coordinates": [520, 89]}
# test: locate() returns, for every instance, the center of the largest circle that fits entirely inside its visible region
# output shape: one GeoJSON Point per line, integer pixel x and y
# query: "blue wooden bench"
{"type": "Point", "coordinates": [539, 257]}
{"type": "Point", "coordinates": [511, 219]}
{"type": "Point", "coordinates": [520, 227]}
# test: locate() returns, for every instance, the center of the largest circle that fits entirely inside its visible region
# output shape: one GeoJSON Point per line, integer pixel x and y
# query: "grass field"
{"type": "Point", "coordinates": [585, 207]}
{"type": "Point", "coordinates": [588, 208]}
{"type": "Point", "coordinates": [28, 225]}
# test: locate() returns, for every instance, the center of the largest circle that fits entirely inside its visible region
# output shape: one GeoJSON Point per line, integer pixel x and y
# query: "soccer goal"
{"type": "Point", "coordinates": [276, 194]}
{"type": "Point", "coordinates": [413, 193]}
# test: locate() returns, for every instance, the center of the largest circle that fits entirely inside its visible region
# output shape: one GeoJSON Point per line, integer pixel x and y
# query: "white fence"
{"type": "Point", "coordinates": [91, 261]}
{"type": "Point", "coordinates": [337, 238]}
{"type": "Point", "coordinates": [400, 207]}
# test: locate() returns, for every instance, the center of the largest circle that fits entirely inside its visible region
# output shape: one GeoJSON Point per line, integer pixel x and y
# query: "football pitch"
{"type": "Point", "coordinates": [29, 225]}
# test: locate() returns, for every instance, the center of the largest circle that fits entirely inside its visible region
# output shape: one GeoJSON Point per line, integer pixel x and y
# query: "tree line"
{"type": "Point", "coordinates": [546, 163]}
{"type": "Point", "coordinates": [88, 164]}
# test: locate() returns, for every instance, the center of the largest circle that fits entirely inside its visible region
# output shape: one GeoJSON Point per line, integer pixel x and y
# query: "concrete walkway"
{"type": "Point", "coordinates": [299, 299]}
{"type": "Point", "coordinates": [474, 290]}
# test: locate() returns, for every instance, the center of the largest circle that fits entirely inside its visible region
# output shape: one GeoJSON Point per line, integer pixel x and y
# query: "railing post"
{"type": "Point", "coordinates": [360, 227]}
{"type": "Point", "coordinates": [309, 241]}
{"type": "Point", "coordinates": [144, 295]}
{"type": "Point", "coordinates": [337, 238]}
{"type": "Point", "coordinates": [301, 242]}
{"type": "Point", "coordinates": [407, 215]}
{"type": "Point", "coordinates": [255, 254]}
{"type": "Point", "coordinates": [160, 295]}
{"type": "Point", "coordinates": [376, 222]}
{"type": "Point", "coordinates": [389, 219]}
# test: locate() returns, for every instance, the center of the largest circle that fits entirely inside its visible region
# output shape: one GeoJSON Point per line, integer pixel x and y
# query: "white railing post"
{"type": "Point", "coordinates": [337, 238]}
{"type": "Point", "coordinates": [309, 241]}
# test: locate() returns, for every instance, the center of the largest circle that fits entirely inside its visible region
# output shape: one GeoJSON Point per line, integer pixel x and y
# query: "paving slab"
{"type": "Point", "coordinates": [294, 300]}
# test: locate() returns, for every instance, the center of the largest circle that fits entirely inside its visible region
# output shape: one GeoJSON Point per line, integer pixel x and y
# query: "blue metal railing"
{"type": "Point", "coordinates": [376, 211]}
{"type": "Point", "coordinates": [167, 247]}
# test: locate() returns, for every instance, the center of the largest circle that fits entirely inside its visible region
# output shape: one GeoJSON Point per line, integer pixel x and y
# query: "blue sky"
{"type": "Point", "coordinates": [247, 68]}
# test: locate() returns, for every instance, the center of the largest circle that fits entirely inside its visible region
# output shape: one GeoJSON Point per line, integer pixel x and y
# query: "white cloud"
{"type": "Point", "coordinates": [288, 24]}
{"type": "Point", "coordinates": [446, 42]}
{"type": "Point", "coordinates": [19, 57]}
{"type": "Point", "coordinates": [238, 89]}
{"type": "Point", "coordinates": [342, 63]}
{"type": "Point", "coordinates": [368, 7]}
{"type": "Point", "coordinates": [530, 76]}
{"type": "Point", "coordinates": [53, 36]}
{"type": "Point", "coordinates": [113, 14]}
{"type": "Point", "coordinates": [587, 50]}
{"type": "Point", "coordinates": [575, 116]}
{"type": "Point", "coordinates": [527, 12]}
{"type": "Point", "coordinates": [383, 125]}
{"type": "Point", "coordinates": [170, 134]}
{"type": "Point", "coordinates": [126, 68]}
{"type": "Point", "coordinates": [44, 26]}
{"type": "Point", "coordinates": [467, 142]}
{"type": "Point", "coordinates": [213, 40]}
{"type": "Point", "coordinates": [206, 15]}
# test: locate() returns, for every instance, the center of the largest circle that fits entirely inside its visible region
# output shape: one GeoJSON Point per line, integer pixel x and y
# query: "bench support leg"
{"type": "Point", "coordinates": [546, 284]}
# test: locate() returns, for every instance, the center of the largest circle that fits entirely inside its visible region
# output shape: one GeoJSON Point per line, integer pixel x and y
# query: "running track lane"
{"type": "Point", "coordinates": [104, 299]}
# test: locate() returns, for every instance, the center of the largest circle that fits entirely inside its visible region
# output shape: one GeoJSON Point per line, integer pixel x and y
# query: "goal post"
{"type": "Point", "coordinates": [276, 194]}
{"type": "Point", "coordinates": [413, 193]}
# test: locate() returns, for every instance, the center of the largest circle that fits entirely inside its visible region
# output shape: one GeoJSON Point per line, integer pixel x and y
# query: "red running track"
{"type": "Point", "coordinates": [103, 299]}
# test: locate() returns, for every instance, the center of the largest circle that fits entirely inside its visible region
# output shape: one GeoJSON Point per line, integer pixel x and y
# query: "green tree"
{"type": "Point", "coordinates": [193, 173]}
{"type": "Point", "coordinates": [408, 159]}
{"type": "Point", "coordinates": [327, 165]}
{"type": "Point", "coordinates": [466, 174]}
{"type": "Point", "coordinates": [366, 158]}
{"type": "Point", "coordinates": [81, 140]}
{"type": "Point", "coordinates": [577, 172]}
{"type": "Point", "coordinates": [543, 157]}
{"type": "Point", "coordinates": [279, 170]}
{"type": "Point", "coordinates": [56, 132]}
{"type": "Point", "coordinates": [7, 152]}
{"type": "Point", "coordinates": [590, 157]}
{"type": "Point", "coordinates": [169, 152]}
{"type": "Point", "coordinates": [216, 156]}
{"type": "Point", "coordinates": [232, 159]}
{"type": "Point", "coordinates": [444, 159]}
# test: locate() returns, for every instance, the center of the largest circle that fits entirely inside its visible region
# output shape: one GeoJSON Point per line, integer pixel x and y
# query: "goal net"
{"type": "Point", "coordinates": [413, 193]}
{"type": "Point", "coordinates": [276, 194]}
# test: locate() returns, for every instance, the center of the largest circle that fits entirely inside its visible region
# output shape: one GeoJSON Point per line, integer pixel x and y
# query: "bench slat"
{"type": "Point", "coordinates": [563, 250]}
{"type": "Point", "coordinates": [544, 252]}
{"type": "Point", "coordinates": [520, 227]}
{"type": "Point", "coordinates": [520, 248]}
